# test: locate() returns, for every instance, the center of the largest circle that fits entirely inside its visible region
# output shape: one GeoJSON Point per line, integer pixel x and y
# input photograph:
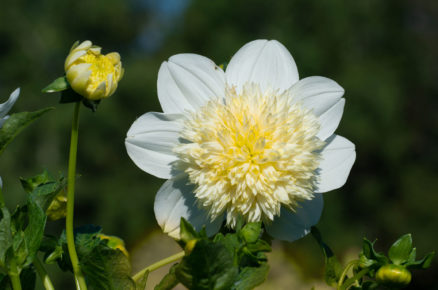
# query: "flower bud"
{"type": "Point", "coordinates": [114, 243]}
{"type": "Point", "coordinates": [91, 74]}
{"type": "Point", "coordinates": [58, 208]}
{"type": "Point", "coordinates": [393, 276]}
{"type": "Point", "coordinates": [190, 246]}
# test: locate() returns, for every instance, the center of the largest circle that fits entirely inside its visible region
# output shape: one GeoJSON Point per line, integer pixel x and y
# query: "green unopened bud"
{"type": "Point", "coordinates": [91, 74]}
{"type": "Point", "coordinates": [58, 208]}
{"type": "Point", "coordinates": [190, 246]}
{"type": "Point", "coordinates": [393, 276]}
{"type": "Point", "coordinates": [115, 243]}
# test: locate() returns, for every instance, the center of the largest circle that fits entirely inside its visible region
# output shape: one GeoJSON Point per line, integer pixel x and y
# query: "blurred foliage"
{"type": "Point", "coordinates": [384, 53]}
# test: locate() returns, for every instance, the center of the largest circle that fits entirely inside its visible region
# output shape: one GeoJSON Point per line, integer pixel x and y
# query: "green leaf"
{"type": "Point", "coordinates": [209, 266]}
{"type": "Point", "coordinates": [103, 267]}
{"type": "Point", "coordinates": [333, 268]}
{"type": "Point", "coordinates": [5, 235]}
{"type": "Point", "coordinates": [250, 277]}
{"type": "Point", "coordinates": [34, 231]}
{"type": "Point", "coordinates": [251, 232]}
{"type": "Point", "coordinates": [401, 249]}
{"type": "Point", "coordinates": [20, 252]}
{"type": "Point", "coordinates": [29, 184]}
{"type": "Point", "coordinates": [44, 194]}
{"type": "Point", "coordinates": [106, 268]}
{"type": "Point", "coordinates": [169, 281]}
{"type": "Point", "coordinates": [58, 85]}
{"type": "Point", "coordinates": [15, 124]}
{"type": "Point", "coordinates": [369, 252]}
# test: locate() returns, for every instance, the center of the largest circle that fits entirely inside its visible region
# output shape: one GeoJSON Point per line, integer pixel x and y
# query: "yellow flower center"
{"type": "Point", "coordinates": [102, 70]}
{"type": "Point", "coordinates": [250, 153]}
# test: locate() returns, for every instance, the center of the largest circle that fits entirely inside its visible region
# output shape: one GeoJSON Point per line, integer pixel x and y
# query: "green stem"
{"type": "Point", "coordinates": [43, 274]}
{"type": "Point", "coordinates": [79, 277]}
{"type": "Point", "coordinates": [354, 279]}
{"type": "Point", "coordinates": [344, 273]}
{"type": "Point", "coordinates": [158, 264]}
{"type": "Point", "coordinates": [14, 275]}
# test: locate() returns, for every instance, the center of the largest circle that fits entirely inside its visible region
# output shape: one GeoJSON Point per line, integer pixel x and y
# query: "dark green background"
{"type": "Point", "coordinates": [384, 53]}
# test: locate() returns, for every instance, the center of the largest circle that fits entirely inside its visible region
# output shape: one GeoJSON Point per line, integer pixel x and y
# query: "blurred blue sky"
{"type": "Point", "coordinates": [165, 14]}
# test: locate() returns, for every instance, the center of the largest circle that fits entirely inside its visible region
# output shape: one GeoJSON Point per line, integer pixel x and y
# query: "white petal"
{"type": "Point", "coordinates": [317, 93]}
{"type": "Point", "coordinates": [267, 63]}
{"type": "Point", "coordinates": [176, 199]}
{"type": "Point", "coordinates": [337, 159]}
{"type": "Point", "coordinates": [291, 226]}
{"type": "Point", "coordinates": [6, 106]}
{"type": "Point", "coordinates": [329, 120]}
{"type": "Point", "coordinates": [187, 81]}
{"type": "Point", "coordinates": [150, 141]}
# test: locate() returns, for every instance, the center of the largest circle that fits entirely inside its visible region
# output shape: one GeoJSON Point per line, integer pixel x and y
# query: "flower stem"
{"type": "Point", "coordinates": [79, 277]}
{"type": "Point", "coordinates": [43, 274]}
{"type": "Point", "coordinates": [158, 265]}
{"type": "Point", "coordinates": [344, 273]}
{"type": "Point", "coordinates": [14, 275]}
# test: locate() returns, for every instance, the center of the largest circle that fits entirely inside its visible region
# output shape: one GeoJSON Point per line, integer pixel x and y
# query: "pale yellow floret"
{"type": "Point", "coordinates": [250, 153]}
{"type": "Point", "coordinates": [92, 74]}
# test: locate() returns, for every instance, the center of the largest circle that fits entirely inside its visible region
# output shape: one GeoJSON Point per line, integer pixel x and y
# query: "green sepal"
{"type": "Point", "coordinates": [234, 260]}
{"type": "Point", "coordinates": [15, 124]}
{"type": "Point", "coordinates": [209, 266]}
{"type": "Point", "coordinates": [92, 105]}
{"type": "Point", "coordinates": [401, 249]}
{"type": "Point", "coordinates": [369, 252]}
{"type": "Point", "coordinates": [70, 96]}
{"type": "Point", "coordinates": [58, 85]}
{"type": "Point", "coordinates": [169, 281]}
{"type": "Point", "coordinates": [423, 263]}
{"type": "Point", "coordinates": [251, 232]}
{"type": "Point", "coordinates": [187, 231]}
{"type": "Point", "coordinates": [333, 268]}
{"type": "Point", "coordinates": [250, 277]}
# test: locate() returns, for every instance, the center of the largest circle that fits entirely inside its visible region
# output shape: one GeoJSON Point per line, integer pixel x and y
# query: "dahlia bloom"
{"type": "Point", "coordinates": [4, 109]}
{"type": "Point", "coordinates": [253, 142]}
{"type": "Point", "coordinates": [6, 106]}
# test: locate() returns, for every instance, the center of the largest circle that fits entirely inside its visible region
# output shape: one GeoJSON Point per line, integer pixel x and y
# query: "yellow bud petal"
{"type": "Point", "coordinates": [99, 92]}
{"type": "Point", "coordinates": [83, 46]}
{"type": "Point", "coordinates": [72, 57]}
{"type": "Point", "coordinates": [92, 74]}
{"type": "Point", "coordinates": [113, 57]}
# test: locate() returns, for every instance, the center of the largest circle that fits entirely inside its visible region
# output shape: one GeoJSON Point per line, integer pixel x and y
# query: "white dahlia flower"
{"type": "Point", "coordinates": [6, 106]}
{"type": "Point", "coordinates": [4, 109]}
{"type": "Point", "coordinates": [253, 142]}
